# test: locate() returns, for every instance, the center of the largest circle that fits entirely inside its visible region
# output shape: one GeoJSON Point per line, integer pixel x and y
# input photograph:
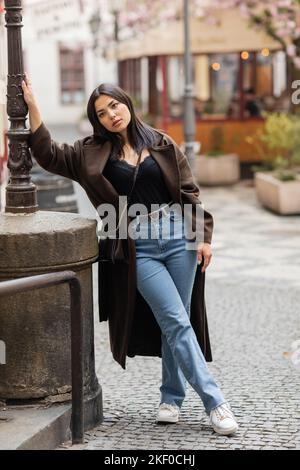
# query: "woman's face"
{"type": "Point", "coordinates": [112, 114]}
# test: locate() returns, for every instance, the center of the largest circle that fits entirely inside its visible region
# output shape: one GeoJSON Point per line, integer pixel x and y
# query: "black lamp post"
{"type": "Point", "coordinates": [21, 194]}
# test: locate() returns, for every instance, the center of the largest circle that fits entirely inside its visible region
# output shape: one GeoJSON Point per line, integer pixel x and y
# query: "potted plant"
{"type": "Point", "coordinates": [277, 181]}
{"type": "Point", "coordinates": [216, 167]}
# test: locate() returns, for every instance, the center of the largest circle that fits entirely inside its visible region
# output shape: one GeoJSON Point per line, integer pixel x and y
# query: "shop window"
{"type": "Point", "coordinates": [230, 86]}
{"type": "Point", "coordinates": [72, 75]}
{"type": "Point", "coordinates": [265, 83]}
{"type": "Point", "coordinates": [215, 79]}
{"type": "Point", "coordinates": [224, 97]}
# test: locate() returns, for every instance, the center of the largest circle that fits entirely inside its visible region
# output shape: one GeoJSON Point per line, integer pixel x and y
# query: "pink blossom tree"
{"type": "Point", "coordinates": [279, 18]}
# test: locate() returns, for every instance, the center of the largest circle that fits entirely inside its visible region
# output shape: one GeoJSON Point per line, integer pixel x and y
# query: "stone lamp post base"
{"type": "Point", "coordinates": [35, 327]}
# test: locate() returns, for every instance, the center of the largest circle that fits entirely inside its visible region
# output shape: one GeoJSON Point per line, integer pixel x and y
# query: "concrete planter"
{"type": "Point", "coordinates": [282, 197]}
{"type": "Point", "coordinates": [221, 170]}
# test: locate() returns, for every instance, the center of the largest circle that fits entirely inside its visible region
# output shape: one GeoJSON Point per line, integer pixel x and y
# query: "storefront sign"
{"type": "Point", "coordinates": [55, 17]}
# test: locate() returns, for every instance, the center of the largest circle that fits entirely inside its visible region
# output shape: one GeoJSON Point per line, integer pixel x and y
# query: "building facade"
{"type": "Point", "coordinates": [63, 57]}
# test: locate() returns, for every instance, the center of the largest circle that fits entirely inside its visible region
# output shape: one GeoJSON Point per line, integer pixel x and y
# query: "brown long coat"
{"type": "Point", "coordinates": [132, 326]}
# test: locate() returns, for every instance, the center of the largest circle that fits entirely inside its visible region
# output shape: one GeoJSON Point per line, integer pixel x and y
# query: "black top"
{"type": "Point", "coordinates": [150, 187]}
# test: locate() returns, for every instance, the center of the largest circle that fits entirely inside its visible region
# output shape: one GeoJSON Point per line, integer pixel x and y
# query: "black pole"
{"type": "Point", "coordinates": [20, 192]}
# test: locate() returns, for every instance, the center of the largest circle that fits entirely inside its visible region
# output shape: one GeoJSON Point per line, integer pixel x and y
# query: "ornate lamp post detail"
{"type": "Point", "coordinates": [20, 191]}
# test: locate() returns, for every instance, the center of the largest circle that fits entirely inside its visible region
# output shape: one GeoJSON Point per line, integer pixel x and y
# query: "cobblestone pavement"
{"type": "Point", "coordinates": [253, 294]}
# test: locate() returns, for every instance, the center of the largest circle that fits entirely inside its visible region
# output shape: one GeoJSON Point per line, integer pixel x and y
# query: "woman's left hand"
{"type": "Point", "coordinates": [204, 252]}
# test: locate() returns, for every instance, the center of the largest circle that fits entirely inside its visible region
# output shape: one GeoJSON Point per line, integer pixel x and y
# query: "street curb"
{"type": "Point", "coordinates": [34, 428]}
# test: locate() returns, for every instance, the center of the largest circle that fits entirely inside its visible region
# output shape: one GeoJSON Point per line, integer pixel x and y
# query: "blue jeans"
{"type": "Point", "coordinates": [165, 277]}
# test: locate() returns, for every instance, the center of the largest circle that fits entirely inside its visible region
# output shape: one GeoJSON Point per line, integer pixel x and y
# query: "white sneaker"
{"type": "Point", "coordinates": [223, 420]}
{"type": "Point", "coordinates": [167, 413]}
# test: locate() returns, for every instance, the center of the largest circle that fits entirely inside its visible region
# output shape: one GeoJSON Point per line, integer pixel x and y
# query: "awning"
{"type": "Point", "coordinates": [232, 35]}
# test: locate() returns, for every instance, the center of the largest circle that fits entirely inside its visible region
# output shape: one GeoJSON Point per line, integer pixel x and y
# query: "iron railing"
{"type": "Point", "coordinates": [40, 281]}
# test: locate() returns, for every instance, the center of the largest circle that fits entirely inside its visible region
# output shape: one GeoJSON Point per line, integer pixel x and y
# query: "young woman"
{"type": "Point", "coordinates": [155, 301]}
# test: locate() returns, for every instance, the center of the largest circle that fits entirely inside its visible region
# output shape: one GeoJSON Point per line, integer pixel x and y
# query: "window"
{"type": "Point", "coordinates": [215, 79]}
{"type": "Point", "coordinates": [72, 75]}
{"type": "Point", "coordinates": [224, 92]}
{"type": "Point", "coordinates": [264, 82]}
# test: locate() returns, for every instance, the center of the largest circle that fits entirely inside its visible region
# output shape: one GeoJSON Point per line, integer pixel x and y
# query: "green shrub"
{"type": "Point", "coordinates": [278, 145]}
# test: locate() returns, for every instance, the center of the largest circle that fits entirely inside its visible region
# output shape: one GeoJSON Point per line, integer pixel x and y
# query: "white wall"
{"type": "Point", "coordinates": [42, 64]}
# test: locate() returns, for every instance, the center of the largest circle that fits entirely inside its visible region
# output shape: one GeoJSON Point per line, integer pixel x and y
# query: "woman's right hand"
{"type": "Point", "coordinates": [34, 114]}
